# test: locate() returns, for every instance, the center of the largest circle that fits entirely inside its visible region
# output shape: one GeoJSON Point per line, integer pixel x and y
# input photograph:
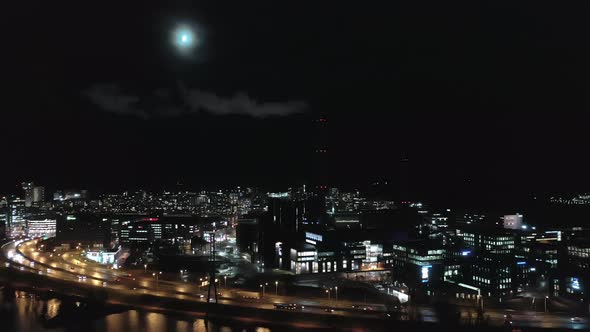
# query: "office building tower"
{"type": "Point", "coordinates": [513, 221]}
{"type": "Point", "coordinates": [38, 195]}
{"type": "Point", "coordinates": [16, 218]}
{"type": "Point", "coordinates": [28, 189]}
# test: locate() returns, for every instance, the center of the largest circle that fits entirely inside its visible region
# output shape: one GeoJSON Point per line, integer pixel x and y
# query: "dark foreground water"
{"type": "Point", "coordinates": [22, 312]}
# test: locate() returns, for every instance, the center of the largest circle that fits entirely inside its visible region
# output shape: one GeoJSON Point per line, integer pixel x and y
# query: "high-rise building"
{"type": "Point", "coordinates": [513, 221]}
{"type": "Point", "coordinates": [28, 189]}
{"type": "Point", "coordinates": [38, 194]}
{"type": "Point", "coordinates": [33, 194]}
{"type": "Point", "coordinates": [3, 221]}
{"type": "Point", "coordinates": [16, 218]}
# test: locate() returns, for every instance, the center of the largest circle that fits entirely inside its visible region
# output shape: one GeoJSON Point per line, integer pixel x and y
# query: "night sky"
{"type": "Point", "coordinates": [486, 99]}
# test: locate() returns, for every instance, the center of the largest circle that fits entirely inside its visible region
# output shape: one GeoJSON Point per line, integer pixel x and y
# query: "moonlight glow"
{"type": "Point", "coordinates": [184, 38]}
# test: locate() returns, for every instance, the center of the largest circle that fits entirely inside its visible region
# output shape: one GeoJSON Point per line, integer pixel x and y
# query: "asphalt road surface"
{"type": "Point", "coordinates": [73, 267]}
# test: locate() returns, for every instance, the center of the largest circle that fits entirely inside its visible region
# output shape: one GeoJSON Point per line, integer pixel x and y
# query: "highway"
{"type": "Point", "coordinates": [74, 268]}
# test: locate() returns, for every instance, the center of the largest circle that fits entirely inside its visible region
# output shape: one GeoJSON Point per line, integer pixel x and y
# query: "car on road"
{"type": "Point", "coordinates": [329, 310]}
{"type": "Point", "coordinates": [575, 320]}
{"type": "Point", "coordinates": [360, 307]}
{"type": "Point", "coordinates": [288, 306]}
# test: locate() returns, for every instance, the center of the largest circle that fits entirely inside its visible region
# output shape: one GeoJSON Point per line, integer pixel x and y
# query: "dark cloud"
{"type": "Point", "coordinates": [240, 103]}
{"type": "Point", "coordinates": [112, 98]}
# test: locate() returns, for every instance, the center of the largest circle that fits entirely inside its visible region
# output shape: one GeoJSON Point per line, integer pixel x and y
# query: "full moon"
{"type": "Point", "coordinates": [184, 38]}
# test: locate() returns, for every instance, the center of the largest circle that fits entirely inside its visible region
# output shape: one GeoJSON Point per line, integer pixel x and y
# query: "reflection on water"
{"type": "Point", "coordinates": [22, 312]}
{"type": "Point", "coordinates": [52, 308]}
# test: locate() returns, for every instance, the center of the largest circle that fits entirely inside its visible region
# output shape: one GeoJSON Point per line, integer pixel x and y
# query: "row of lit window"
{"type": "Point", "coordinates": [482, 280]}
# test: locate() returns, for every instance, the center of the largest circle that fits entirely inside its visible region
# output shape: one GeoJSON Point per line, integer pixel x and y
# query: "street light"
{"type": "Point", "coordinates": [225, 281]}
{"type": "Point", "coordinates": [263, 289]}
{"type": "Point", "coordinates": [328, 292]}
{"type": "Point", "coordinates": [336, 288]}
{"type": "Point", "coordinates": [276, 288]}
{"type": "Point", "coordinates": [546, 297]}
{"type": "Point", "coordinates": [157, 275]}
{"type": "Point", "coordinates": [144, 267]}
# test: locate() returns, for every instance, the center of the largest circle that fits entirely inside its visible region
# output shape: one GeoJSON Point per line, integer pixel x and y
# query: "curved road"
{"type": "Point", "coordinates": [72, 267]}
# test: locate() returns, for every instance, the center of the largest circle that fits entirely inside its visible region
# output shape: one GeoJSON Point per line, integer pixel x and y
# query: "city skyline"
{"type": "Point", "coordinates": [411, 256]}
{"type": "Point", "coordinates": [294, 166]}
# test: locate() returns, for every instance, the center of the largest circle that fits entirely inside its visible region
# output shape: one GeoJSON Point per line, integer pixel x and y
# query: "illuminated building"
{"type": "Point", "coordinates": [332, 251]}
{"type": "Point", "coordinates": [16, 218]}
{"type": "Point", "coordinates": [38, 195]}
{"type": "Point", "coordinates": [3, 221]}
{"type": "Point", "coordinates": [495, 269]}
{"type": "Point", "coordinates": [41, 228]}
{"type": "Point", "coordinates": [102, 257]}
{"type": "Point", "coordinates": [575, 276]}
{"type": "Point", "coordinates": [28, 189]}
{"type": "Point", "coordinates": [144, 230]}
{"type": "Point", "coordinates": [304, 259]}
{"type": "Point", "coordinates": [513, 221]}
{"type": "Point", "coordinates": [487, 241]}
{"type": "Point", "coordinates": [134, 233]}
{"type": "Point", "coordinates": [34, 195]}
{"type": "Point", "coordinates": [346, 221]}
{"type": "Point", "coordinates": [418, 264]}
